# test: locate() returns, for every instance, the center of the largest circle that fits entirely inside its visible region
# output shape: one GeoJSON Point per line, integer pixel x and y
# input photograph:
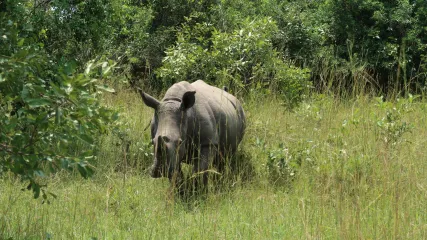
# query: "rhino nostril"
{"type": "Point", "coordinates": [165, 139]}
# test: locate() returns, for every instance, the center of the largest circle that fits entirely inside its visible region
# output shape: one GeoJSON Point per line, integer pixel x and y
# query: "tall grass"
{"type": "Point", "coordinates": [332, 168]}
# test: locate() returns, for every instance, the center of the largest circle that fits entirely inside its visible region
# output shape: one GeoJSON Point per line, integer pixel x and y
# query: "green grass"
{"type": "Point", "coordinates": [351, 173]}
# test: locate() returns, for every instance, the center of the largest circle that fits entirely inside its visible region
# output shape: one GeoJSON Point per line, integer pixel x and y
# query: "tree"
{"type": "Point", "coordinates": [388, 37]}
{"type": "Point", "coordinates": [50, 116]}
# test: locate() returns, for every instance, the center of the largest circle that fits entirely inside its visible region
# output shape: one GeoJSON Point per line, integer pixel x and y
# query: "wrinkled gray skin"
{"type": "Point", "coordinates": [194, 123]}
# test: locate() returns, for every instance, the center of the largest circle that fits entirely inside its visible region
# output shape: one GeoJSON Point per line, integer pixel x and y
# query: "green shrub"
{"type": "Point", "coordinates": [242, 59]}
{"type": "Point", "coordinates": [50, 116]}
{"type": "Point", "coordinates": [284, 163]}
{"type": "Point", "coordinates": [392, 126]}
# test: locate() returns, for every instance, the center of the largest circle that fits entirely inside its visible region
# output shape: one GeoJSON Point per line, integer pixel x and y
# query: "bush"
{"type": "Point", "coordinates": [243, 59]}
{"type": "Point", "coordinates": [388, 36]}
{"type": "Point", "coordinates": [50, 116]}
{"type": "Point", "coordinates": [283, 163]}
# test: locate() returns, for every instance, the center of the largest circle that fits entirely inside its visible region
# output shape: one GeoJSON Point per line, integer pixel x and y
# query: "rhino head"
{"type": "Point", "coordinates": [169, 132]}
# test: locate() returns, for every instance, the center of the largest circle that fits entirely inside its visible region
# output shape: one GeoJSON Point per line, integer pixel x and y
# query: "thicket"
{"type": "Point", "coordinates": [346, 44]}
{"type": "Point", "coordinates": [50, 112]}
{"type": "Point", "coordinates": [369, 42]}
{"type": "Point", "coordinates": [51, 52]}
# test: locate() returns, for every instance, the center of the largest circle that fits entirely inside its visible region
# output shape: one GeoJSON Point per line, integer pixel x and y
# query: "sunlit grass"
{"type": "Point", "coordinates": [353, 181]}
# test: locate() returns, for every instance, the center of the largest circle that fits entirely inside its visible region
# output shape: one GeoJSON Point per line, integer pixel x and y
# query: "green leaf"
{"type": "Point", "coordinates": [89, 171]}
{"type": "Point", "coordinates": [52, 194]}
{"type": "Point", "coordinates": [115, 116]}
{"type": "Point", "coordinates": [106, 88]}
{"type": "Point", "coordinates": [106, 68]}
{"type": "Point", "coordinates": [88, 68]}
{"type": "Point", "coordinates": [82, 171]}
{"type": "Point", "coordinates": [21, 42]}
{"type": "Point", "coordinates": [89, 81]}
{"type": "Point", "coordinates": [41, 118]}
{"type": "Point", "coordinates": [38, 102]}
{"type": "Point", "coordinates": [58, 91]}
{"type": "Point", "coordinates": [86, 138]}
{"type": "Point", "coordinates": [36, 190]}
{"type": "Point", "coordinates": [58, 115]}
{"type": "Point", "coordinates": [67, 164]}
{"type": "Point", "coordinates": [26, 91]}
{"type": "Point", "coordinates": [39, 173]}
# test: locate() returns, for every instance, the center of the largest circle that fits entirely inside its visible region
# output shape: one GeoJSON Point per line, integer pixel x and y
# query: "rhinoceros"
{"type": "Point", "coordinates": [194, 123]}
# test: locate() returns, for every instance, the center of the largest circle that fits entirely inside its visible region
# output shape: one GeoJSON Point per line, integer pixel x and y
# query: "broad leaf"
{"type": "Point", "coordinates": [38, 102]}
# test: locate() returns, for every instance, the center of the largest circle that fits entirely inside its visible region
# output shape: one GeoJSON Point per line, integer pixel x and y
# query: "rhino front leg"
{"type": "Point", "coordinates": [203, 165]}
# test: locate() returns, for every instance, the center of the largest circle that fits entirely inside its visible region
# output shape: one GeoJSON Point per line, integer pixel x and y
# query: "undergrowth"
{"type": "Point", "coordinates": [330, 168]}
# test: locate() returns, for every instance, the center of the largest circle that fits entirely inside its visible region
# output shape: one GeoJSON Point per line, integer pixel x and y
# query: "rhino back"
{"type": "Point", "coordinates": [219, 115]}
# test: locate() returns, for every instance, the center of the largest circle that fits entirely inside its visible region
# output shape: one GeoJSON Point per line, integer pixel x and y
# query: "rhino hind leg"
{"type": "Point", "coordinates": [224, 158]}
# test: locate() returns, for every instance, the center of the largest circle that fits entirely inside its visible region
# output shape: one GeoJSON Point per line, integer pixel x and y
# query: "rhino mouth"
{"type": "Point", "coordinates": [156, 172]}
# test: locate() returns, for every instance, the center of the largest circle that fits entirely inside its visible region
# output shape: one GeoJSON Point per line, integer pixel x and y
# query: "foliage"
{"type": "Point", "coordinates": [281, 166]}
{"type": "Point", "coordinates": [71, 30]}
{"type": "Point", "coordinates": [132, 45]}
{"type": "Point", "coordinates": [301, 29]}
{"type": "Point", "coordinates": [359, 41]}
{"type": "Point", "coordinates": [381, 43]}
{"type": "Point", "coordinates": [50, 116]}
{"type": "Point", "coordinates": [392, 125]}
{"type": "Point", "coordinates": [243, 59]}
{"type": "Point", "coordinates": [145, 29]}
{"type": "Point", "coordinates": [388, 36]}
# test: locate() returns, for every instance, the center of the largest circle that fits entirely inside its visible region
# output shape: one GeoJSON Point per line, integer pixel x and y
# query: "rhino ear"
{"type": "Point", "coordinates": [188, 100]}
{"type": "Point", "coordinates": [149, 100]}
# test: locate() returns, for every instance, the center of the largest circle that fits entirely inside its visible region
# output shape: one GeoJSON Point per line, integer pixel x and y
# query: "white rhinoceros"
{"type": "Point", "coordinates": [194, 123]}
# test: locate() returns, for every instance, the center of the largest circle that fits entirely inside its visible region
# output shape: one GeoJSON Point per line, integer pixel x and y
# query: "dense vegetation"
{"type": "Point", "coordinates": [333, 89]}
